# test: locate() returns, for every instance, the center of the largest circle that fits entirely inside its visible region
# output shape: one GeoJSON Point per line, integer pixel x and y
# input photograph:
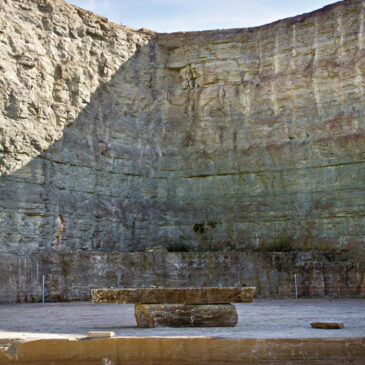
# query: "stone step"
{"type": "Point", "coordinates": [205, 295]}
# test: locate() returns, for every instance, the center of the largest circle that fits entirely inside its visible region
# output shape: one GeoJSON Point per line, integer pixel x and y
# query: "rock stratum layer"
{"type": "Point", "coordinates": [237, 140]}
{"type": "Point", "coordinates": [71, 276]}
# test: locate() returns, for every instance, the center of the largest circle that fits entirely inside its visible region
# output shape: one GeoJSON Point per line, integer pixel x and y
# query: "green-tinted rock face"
{"type": "Point", "coordinates": [235, 140]}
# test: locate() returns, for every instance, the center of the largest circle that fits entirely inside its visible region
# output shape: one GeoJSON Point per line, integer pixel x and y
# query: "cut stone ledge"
{"type": "Point", "coordinates": [185, 315]}
{"type": "Point", "coordinates": [204, 295]}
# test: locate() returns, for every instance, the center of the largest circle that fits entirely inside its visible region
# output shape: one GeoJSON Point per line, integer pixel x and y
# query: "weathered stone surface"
{"type": "Point", "coordinates": [189, 350]}
{"type": "Point", "coordinates": [239, 140]}
{"type": "Point", "coordinates": [54, 56]}
{"type": "Point", "coordinates": [71, 276]}
{"type": "Point", "coordinates": [173, 295]}
{"type": "Point", "coordinates": [78, 58]}
{"type": "Point", "coordinates": [219, 140]}
{"type": "Point", "coordinates": [327, 325]}
{"type": "Point", "coordinates": [185, 315]}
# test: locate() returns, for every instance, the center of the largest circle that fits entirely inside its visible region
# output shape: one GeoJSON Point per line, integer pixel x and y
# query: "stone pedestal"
{"type": "Point", "coordinates": [185, 315]}
{"type": "Point", "coordinates": [179, 307]}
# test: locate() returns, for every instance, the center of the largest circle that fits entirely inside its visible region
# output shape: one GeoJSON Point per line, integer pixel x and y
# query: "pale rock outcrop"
{"type": "Point", "coordinates": [53, 57]}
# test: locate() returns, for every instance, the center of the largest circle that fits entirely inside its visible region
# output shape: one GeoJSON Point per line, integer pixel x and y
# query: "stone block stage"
{"type": "Point", "coordinates": [267, 332]}
{"type": "Point", "coordinates": [173, 295]}
{"type": "Point", "coordinates": [179, 307]}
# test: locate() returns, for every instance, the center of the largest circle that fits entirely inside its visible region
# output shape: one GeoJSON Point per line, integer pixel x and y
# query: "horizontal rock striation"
{"type": "Point", "coordinates": [71, 276]}
{"type": "Point", "coordinates": [87, 190]}
{"type": "Point", "coordinates": [117, 140]}
{"type": "Point", "coordinates": [265, 133]}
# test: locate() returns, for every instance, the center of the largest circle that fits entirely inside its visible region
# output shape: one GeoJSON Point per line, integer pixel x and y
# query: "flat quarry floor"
{"type": "Point", "coordinates": [261, 319]}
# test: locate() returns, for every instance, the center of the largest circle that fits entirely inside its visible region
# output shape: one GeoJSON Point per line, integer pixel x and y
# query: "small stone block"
{"type": "Point", "coordinates": [100, 334]}
{"type": "Point", "coordinates": [185, 315]}
{"type": "Point", "coordinates": [328, 325]}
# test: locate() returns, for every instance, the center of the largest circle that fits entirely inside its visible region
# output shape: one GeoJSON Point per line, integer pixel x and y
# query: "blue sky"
{"type": "Point", "coordinates": [189, 15]}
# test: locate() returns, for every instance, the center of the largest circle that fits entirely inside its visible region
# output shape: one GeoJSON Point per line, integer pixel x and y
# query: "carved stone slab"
{"type": "Point", "coordinates": [173, 295]}
{"type": "Point", "coordinates": [185, 315]}
{"type": "Point", "coordinates": [328, 325]}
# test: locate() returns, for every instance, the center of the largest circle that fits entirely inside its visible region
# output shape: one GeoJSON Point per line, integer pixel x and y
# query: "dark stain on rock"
{"type": "Point", "coordinates": [202, 227]}
{"type": "Point", "coordinates": [189, 139]}
{"type": "Point", "coordinates": [199, 228]}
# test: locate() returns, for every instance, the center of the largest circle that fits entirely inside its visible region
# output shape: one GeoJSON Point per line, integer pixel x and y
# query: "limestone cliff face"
{"type": "Point", "coordinates": [62, 66]}
{"type": "Point", "coordinates": [117, 140]}
{"type": "Point", "coordinates": [53, 57]}
{"type": "Point", "coordinates": [264, 132]}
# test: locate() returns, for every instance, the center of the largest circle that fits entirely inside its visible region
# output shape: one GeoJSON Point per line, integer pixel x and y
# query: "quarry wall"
{"type": "Point", "coordinates": [243, 141]}
{"type": "Point", "coordinates": [265, 132]}
{"type": "Point", "coordinates": [71, 276]}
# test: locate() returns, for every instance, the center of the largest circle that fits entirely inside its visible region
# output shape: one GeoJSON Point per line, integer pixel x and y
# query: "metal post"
{"type": "Point", "coordinates": [43, 281]}
{"type": "Point", "coordinates": [296, 286]}
{"type": "Point", "coordinates": [118, 282]}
